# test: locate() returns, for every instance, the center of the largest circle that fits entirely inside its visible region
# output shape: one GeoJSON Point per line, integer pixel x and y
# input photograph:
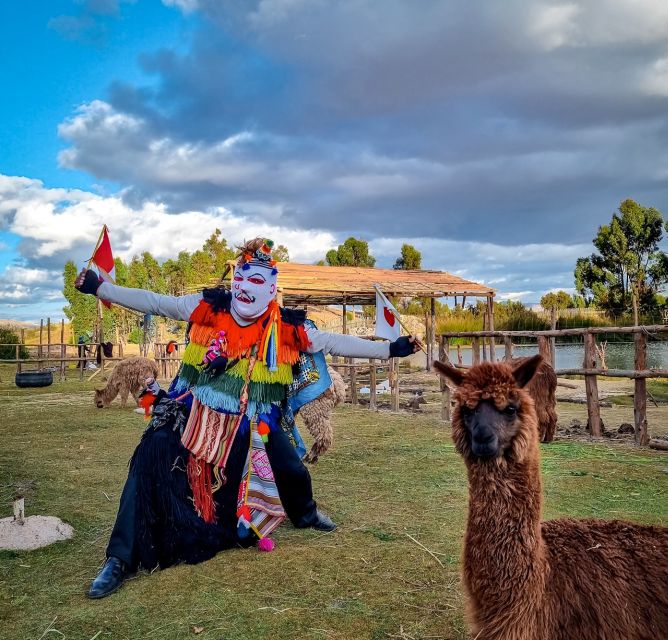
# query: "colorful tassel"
{"type": "Point", "coordinates": [263, 431]}
{"type": "Point", "coordinates": [199, 478]}
{"type": "Point", "coordinates": [265, 544]}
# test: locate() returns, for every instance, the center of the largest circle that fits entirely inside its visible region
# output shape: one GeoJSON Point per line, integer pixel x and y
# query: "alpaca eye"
{"type": "Point", "coordinates": [466, 411]}
{"type": "Point", "coordinates": [510, 411]}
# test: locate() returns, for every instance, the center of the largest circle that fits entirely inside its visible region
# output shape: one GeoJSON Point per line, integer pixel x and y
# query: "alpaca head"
{"type": "Point", "coordinates": [494, 416]}
{"type": "Point", "coordinates": [99, 398]}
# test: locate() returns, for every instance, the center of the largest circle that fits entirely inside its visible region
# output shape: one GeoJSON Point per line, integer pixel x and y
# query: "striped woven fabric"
{"type": "Point", "coordinates": [258, 494]}
{"type": "Point", "coordinates": [209, 434]}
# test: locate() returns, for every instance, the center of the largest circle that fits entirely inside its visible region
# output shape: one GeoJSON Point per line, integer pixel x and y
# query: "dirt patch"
{"type": "Point", "coordinates": [35, 532]}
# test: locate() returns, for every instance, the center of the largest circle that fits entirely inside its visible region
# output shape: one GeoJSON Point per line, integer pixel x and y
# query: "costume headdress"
{"type": "Point", "coordinates": [256, 252]}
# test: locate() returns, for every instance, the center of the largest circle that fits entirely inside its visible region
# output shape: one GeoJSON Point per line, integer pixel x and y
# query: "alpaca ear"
{"type": "Point", "coordinates": [448, 371]}
{"type": "Point", "coordinates": [526, 370]}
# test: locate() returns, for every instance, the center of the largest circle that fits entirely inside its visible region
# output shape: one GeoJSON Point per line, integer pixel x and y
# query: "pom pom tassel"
{"type": "Point", "coordinates": [265, 544]}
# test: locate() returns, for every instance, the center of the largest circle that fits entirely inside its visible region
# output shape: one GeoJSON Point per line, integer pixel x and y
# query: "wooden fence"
{"type": "Point", "coordinates": [60, 357]}
{"type": "Point", "coordinates": [483, 348]}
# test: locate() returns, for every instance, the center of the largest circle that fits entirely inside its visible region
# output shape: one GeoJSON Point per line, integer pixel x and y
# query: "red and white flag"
{"type": "Point", "coordinates": [103, 258]}
{"type": "Point", "coordinates": [387, 318]}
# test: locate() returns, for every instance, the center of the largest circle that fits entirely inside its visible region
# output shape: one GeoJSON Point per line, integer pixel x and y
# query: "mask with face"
{"type": "Point", "coordinates": [254, 282]}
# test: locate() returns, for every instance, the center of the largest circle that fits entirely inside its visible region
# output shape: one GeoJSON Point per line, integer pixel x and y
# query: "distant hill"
{"type": "Point", "coordinates": [17, 324]}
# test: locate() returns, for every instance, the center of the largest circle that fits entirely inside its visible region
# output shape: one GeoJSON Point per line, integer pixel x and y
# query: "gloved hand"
{"type": "Point", "coordinates": [87, 282]}
{"type": "Point", "coordinates": [404, 346]}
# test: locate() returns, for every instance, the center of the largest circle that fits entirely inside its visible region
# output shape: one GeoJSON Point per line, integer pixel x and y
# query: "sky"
{"type": "Point", "coordinates": [494, 137]}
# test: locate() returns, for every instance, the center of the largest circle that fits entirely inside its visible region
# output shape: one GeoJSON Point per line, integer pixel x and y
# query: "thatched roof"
{"type": "Point", "coordinates": [321, 285]}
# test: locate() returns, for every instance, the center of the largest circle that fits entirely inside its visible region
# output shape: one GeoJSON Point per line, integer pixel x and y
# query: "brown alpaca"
{"type": "Point", "coordinates": [317, 416]}
{"type": "Point", "coordinates": [555, 580]}
{"type": "Point", "coordinates": [543, 390]}
{"type": "Point", "coordinates": [127, 377]}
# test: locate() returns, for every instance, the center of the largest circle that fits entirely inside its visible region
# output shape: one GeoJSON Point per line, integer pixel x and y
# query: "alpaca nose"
{"type": "Point", "coordinates": [483, 436]}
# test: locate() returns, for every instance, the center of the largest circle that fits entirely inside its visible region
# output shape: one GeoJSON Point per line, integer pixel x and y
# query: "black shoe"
{"type": "Point", "coordinates": [322, 522]}
{"type": "Point", "coordinates": [110, 578]}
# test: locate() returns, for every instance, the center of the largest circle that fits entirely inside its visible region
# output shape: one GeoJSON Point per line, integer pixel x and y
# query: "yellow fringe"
{"type": "Point", "coordinates": [194, 354]}
{"type": "Point", "coordinates": [261, 373]}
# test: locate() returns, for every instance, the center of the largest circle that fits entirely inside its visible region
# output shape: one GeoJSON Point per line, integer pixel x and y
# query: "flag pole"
{"type": "Point", "coordinates": [396, 315]}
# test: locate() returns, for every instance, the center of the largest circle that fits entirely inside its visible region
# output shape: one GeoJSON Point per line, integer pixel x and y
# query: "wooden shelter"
{"type": "Point", "coordinates": [307, 284]}
{"type": "Point", "coordinates": [302, 284]}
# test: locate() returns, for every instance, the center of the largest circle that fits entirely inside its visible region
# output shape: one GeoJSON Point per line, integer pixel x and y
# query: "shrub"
{"type": "Point", "coordinates": [7, 339]}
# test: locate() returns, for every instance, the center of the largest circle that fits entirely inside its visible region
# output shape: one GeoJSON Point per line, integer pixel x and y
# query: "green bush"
{"type": "Point", "coordinates": [8, 338]}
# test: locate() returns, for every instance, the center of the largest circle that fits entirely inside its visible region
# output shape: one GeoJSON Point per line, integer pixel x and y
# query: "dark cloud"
{"type": "Point", "coordinates": [513, 123]}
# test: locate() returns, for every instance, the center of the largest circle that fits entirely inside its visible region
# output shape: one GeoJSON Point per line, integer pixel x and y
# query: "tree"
{"type": "Point", "coordinates": [8, 338]}
{"type": "Point", "coordinates": [410, 258]}
{"type": "Point", "coordinates": [81, 309]}
{"type": "Point", "coordinates": [352, 253]}
{"type": "Point", "coordinates": [218, 251]}
{"type": "Point", "coordinates": [280, 253]}
{"type": "Point", "coordinates": [556, 300]}
{"type": "Point", "coordinates": [629, 269]}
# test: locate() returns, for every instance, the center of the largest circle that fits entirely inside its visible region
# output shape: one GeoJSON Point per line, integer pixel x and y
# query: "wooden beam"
{"type": "Point", "coordinates": [490, 326]}
{"type": "Point", "coordinates": [591, 386]}
{"type": "Point", "coordinates": [444, 356]}
{"type": "Point", "coordinates": [640, 394]}
{"type": "Point", "coordinates": [475, 351]}
{"type": "Point", "coordinates": [508, 345]}
{"type": "Point", "coordinates": [373, 406]}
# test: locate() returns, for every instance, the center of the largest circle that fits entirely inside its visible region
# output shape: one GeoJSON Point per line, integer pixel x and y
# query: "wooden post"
{"type": "Point", "coordinates": [460, 359]}
{"type": "Point", "coordinates": [545, 349]}
{"type": "Point", "coordinates": [63, 350]}
{"type": "Point", "coordinates": [372, 385]}
{"type": "Point", "coordinates": [23, 342]}
{"type": "Point", "coordinates": [640, 395]}
{"type": "Point", "coordinates": [394, 384]}
{"type": "Point", "coordinates": [18, 356]}
{"type": "Point", "coordinates": [100, 335]}
{"type": "Point", "coordinates": [353, 382]}
{"type": "Point", "coordinates": [48, 341]}
{"type": "Point", "coordinates": [444, 356]}
{"type": "Point", "coordinates": [591, 386]}
{"type": "Point", "coordinates": [475, 351]}
{"type": "Point", "coordinates": [490, 326]}
{"type": "Point", "coordinates": [553, 326]}
{"type": "Point", "coordinates": [508, 344]}
{"type": "Point", "coordinates": [40, 364]}
{"type": "Point", "coordinates": [432, 336]}
{"type": "Point", "coordinates": [485, 318]}
{"type": "Point", "coordinates": [427, 333]}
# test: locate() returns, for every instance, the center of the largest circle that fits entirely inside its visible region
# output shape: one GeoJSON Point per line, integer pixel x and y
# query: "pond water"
{"type": "Point", "coordinates": [618, 355]}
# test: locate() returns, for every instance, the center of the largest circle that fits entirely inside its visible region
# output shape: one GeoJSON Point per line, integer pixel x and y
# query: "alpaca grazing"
{"type": "Point", "coordinates": [555, 580]}
{"type": "Point", "coordinates": [543, 389]}
{"type": "Point", "coordinates": [317, 416]}
{"type": "Point", "coordinates": [128, 376]}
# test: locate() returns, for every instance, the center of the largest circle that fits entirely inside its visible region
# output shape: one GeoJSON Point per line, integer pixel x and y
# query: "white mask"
{"type": "Point", "coordinates": [253, 289]}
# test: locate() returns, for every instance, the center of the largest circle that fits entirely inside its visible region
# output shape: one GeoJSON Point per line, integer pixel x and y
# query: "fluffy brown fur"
{"type": "Point", "coordinates": [555, 580]}
{"type": "Point", "coordinates": [127, 377]}
{"type": "Point", "coordinates": [543, 389]}
{"type": "Point", "coordinates": [317, 416]}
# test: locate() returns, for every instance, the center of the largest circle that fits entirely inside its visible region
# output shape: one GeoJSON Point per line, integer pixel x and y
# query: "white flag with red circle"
{"type": "Point", "coordinates": [387, 318]}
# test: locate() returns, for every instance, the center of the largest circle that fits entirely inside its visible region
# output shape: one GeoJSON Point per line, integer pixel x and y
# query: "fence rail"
{"type": "Point", "coordinates": [593, 365]}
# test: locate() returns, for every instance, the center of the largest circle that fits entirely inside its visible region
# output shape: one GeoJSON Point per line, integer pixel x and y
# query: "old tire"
{"type": "Point", "coordinates": [34, 379]}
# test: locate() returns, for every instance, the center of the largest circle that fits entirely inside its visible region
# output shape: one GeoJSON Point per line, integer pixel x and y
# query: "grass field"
{"type": "Point", "coordinates": [388, 477]}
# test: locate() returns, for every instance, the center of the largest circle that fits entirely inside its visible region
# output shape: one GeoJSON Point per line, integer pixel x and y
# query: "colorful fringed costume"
{"type": "Point", "coordinates": [222, 444]}
{"type": "Point", "coordinates": [218, 465]}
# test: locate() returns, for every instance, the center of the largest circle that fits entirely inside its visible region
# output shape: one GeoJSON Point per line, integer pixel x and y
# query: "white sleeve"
{"type": "Point", "coordinates": [338, 344]}
{"type": "Point", "coordinates": [175, 307]}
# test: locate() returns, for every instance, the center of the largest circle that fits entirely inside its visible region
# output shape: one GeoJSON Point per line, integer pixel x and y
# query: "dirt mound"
{"type": "Point", "coordinates": [33, 533]}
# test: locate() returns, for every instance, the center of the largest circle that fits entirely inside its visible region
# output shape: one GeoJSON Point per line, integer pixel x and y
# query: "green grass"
{"type": "Point", "coordinates": [387, 476]}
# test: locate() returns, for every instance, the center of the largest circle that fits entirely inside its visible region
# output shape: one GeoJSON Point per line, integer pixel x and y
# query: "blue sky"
{"type": "Point", "coordinates": [495, 138]}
